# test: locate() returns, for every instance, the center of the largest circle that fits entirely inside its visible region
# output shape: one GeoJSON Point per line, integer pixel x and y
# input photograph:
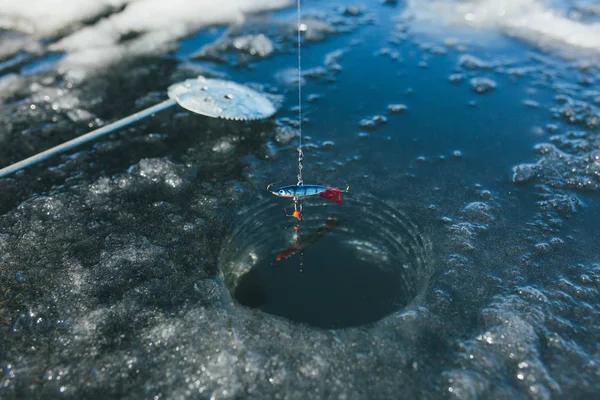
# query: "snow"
{"type": "Point", "coordinates": [46, 18]}
{"type": "Point", "coordinates": [153, 25]}
{"type": "Point", "coordinates": [534, 21]}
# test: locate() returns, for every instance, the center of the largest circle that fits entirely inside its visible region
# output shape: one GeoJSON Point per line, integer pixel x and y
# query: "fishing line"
{"type": "Point", "coordinates": [300, 155]}
{"type": "Point", "coordinates": [300, 190]}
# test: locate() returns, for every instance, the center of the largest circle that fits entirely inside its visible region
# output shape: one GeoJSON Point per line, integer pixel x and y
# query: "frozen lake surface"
{"type": "Point", "coordinates": [464, 261]}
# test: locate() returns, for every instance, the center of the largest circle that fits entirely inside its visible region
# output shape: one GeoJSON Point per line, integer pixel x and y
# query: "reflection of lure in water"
{"type": "Point", "coordinates": [303, 243]}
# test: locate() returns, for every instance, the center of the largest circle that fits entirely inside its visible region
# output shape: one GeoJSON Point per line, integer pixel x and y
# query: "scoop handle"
{"type": "Point", "coordinates": [86, 138]}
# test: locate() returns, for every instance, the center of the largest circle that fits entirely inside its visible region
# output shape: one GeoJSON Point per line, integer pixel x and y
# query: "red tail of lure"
{"type": "Point", "coordinates": [332, 194]}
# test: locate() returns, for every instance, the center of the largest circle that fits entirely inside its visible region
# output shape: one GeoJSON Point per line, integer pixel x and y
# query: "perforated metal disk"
{"type": "Point", "coordinates": [221, 99]}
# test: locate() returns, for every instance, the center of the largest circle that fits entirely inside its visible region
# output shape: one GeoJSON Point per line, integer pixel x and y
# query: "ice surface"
{"type": "Point", "coordinates": [111, 282]}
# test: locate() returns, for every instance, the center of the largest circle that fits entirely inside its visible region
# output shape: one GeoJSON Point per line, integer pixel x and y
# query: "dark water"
{"type": "Point", "coordinates": [329, 288]}
{"type": "Point", "coordinates": [464, 262]}
{"type": "Point", "coordinates": [329, 272]}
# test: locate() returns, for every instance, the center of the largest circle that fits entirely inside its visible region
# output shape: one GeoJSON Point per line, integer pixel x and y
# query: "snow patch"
{"type": "Point", "coordinates": [45, 18]}
{"type": "Point", "coordinates": [142, 27]}
{"type": "Point", "coordinates": [534, 21]}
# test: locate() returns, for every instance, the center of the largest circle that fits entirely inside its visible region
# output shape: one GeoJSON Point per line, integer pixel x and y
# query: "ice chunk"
{"type": "Point", "coordinates": [224, 146]}
{"type": "Point", "coordinates": [396, 108]}
{"type": "Point", "coordinates": [531, 103]}
{"type": "Point", "coordinates": [468, 61]}
{"type": "Point", "coordinates": [456, 78]}
{"type": "Point", "coordinates": [524, 172]}
{"type": "Point", "coordinates": [285, 134]}
{"type": "Point", "coordinates": [482, 85]}
{"type": "Point", "coordinates": [245, 48]}
{"type": "Point", "coordinates": [478, 211]}
{"type": "Point", "coordinates": [159, 171]}
{"type": "Point", "coordinates": [259, 45]}
{"type": "Point", "coordinates": [289, 77]}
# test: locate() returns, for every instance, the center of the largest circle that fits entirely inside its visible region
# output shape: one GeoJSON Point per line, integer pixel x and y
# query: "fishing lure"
{"type": "Point", "coordinates": [301, 190]}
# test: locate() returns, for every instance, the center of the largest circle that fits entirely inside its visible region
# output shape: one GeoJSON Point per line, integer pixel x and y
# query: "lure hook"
{"type": "Point", "coordinates": [271, 184]}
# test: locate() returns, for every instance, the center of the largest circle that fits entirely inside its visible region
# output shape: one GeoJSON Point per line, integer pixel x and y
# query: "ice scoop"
{"type": "Point", "coordinates": [214, 98]}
